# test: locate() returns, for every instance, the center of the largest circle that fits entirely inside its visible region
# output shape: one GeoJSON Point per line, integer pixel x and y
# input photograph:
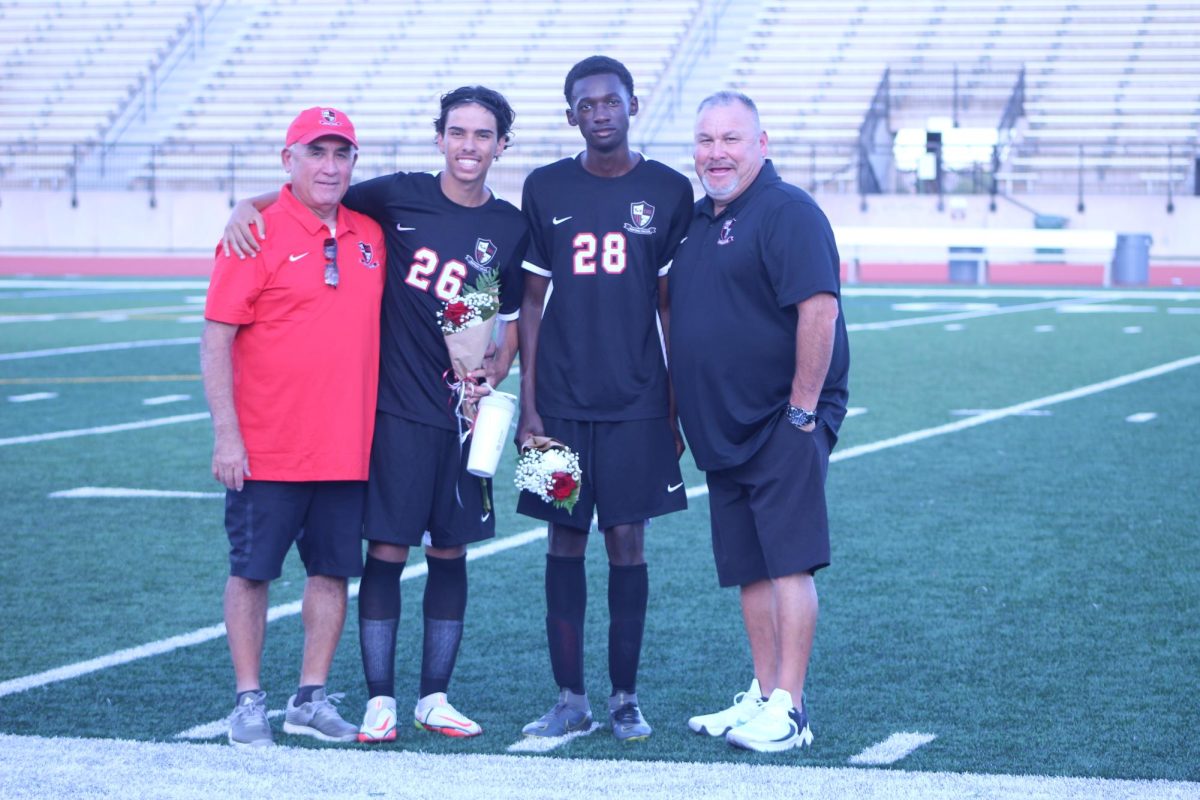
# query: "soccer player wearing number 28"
{"type": "Point", "coordinates": [604, 226]}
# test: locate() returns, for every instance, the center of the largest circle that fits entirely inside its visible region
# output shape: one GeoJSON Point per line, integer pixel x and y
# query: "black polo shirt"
{"type": "Point", "coordinates": [734, 287]}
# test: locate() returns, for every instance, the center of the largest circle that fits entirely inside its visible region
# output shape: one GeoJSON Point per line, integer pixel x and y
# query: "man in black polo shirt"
{"type": "Point", "coordinates": [759, 360]}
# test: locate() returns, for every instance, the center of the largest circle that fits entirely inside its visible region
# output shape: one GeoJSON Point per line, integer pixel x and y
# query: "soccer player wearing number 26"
{"type": "Point", "coordinates": [604, 226]}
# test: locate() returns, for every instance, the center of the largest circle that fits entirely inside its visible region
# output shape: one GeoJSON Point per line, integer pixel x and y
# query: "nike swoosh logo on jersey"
{"type": "Point", "coordinates": [560, 220]}
{"type": "Point", "coordinates": [402, 228]}
{"type": "Point", "coordinates": [297, 257]}
{"type": "Point", "coordinates": [674, 488]}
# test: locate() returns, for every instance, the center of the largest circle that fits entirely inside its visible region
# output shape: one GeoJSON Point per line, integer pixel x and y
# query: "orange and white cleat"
{"type": "Point", "coordinates": [379, 723]}
{"type": "Point", "coordinates": [434, 713]}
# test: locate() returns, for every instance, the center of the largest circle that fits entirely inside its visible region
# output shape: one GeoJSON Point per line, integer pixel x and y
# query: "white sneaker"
{"type": "Point", "coordinates": [745, 705]}
{"type": "Point", "coordinates": [777, 727]}
{"type": "Point", "coordinates": [379, 723]}
{"type": "Point", "coordinates": [434, 713]}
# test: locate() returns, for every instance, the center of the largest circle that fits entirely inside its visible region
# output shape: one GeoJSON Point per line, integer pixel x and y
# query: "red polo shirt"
{"type": "Point", "coordinates": [306, 355]}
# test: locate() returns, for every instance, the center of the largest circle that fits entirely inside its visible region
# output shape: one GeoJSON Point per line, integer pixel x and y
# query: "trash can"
{"type": "Point", "coordinates": [967, 265]}
{"type": "Point", "coordinates": [1131, 259]}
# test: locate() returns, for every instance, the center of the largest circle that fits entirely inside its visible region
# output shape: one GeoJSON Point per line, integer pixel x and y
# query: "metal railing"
{"type": "Point", "coordinates": [145, 99]}
{"type": "Point", "coordinates": [697, 43]}
{"type": "Point", "coordinates": [240, 168]}
{"type": "Point", "coordinates": [876, 126]}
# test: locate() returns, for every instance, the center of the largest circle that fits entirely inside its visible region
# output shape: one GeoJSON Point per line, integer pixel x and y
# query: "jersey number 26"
{"type": "Point", "coordinates": [449, 282]}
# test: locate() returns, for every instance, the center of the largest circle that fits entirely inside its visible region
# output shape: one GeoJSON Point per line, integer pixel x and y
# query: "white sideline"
{"type": "Point", "coordinates": [499, 545]}
{"type": "Point", "coordinates": [37, 767]}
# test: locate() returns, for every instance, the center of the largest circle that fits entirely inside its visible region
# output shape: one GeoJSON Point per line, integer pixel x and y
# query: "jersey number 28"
{"type": "Point", "coordinates": [612, 253]}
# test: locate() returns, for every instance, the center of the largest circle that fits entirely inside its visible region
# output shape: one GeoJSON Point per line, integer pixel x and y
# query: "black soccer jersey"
{"type": "Point", "coordinates": [604, 243]}
{"type": "Point", "coordinates": [734, 290]}
{"type": "Point", "coordinates": [434, 247]}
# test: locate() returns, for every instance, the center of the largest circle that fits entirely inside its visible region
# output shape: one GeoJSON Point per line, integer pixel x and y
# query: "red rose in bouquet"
{"type": "Point", "coordinates": [456, 312]}
{"type": "Point", "coordinates": [563, 483]}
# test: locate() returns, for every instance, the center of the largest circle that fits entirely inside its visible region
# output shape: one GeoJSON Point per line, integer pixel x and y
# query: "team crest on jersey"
{"type": "Point", "coordinates": [485, 251]}
{"type": "Point", "coordinates": [726, 237]}
{"type": "Point", "coordinates": [641, 213]}
{"type": "Point", "coordinates": [368, 255]}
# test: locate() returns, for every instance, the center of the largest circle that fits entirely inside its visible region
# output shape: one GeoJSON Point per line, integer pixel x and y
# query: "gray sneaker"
{"type": "Point", "coordinates": [248, 725]}
{"type": "Point", "coordinates": [571, 713]}
{"type": "Point", "coordinates": [318, 718]}
{"type": "Point", "coordinates": [628, 724]}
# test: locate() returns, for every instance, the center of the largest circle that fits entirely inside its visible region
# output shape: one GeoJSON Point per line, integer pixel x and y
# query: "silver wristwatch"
{"type": "Point", "coordinates": [799, 417]}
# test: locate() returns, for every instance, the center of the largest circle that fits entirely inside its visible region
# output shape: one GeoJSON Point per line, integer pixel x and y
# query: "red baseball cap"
{"type": "Point", "coordinates": [313, 123]}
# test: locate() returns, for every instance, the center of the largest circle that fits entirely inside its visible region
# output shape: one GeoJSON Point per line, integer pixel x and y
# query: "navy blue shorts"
{"type": "Point", "coordinates": [323, 518]}
{"type": "Point", "coordinates": [419, 482]}
{"type": "Point", "coordinates": [768, 515]}
{"type": "Point", "coordinates": [630, 473]}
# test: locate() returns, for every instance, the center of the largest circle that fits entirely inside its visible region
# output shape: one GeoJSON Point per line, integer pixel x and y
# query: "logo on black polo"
{"type": "Point", "coordinates": [726, 237]}
{"type": "Point", "coordinates": [641, 213]}
{"type": "Point", "coordinates": [485, 251]}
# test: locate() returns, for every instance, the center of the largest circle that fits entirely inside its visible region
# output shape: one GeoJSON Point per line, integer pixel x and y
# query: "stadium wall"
{"type": "Point", "coordinates": [122, 233]}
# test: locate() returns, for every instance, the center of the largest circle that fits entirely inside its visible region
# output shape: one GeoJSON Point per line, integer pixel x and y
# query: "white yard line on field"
{"type": "Point", "coordinates": [543, 744]}
{"type": "Point", "coordinates": [102, 315]}
{"type": "Point", "coordinates": [91, 492]}
{"type": "Point", "coordinates": [885, 325]}
{"type": "Point", "coordinates": [8, 284]}
{"type": "Point", "coordinates": [124, 426]}
{"type": "Point", "coordinates": [98, 348]}
{"type": "Point", "coordinates": [220, 727]}
{"type": "Point", "coordinates": [892, 749]}
{"type": "Point", "coordinates": [1014, 410]}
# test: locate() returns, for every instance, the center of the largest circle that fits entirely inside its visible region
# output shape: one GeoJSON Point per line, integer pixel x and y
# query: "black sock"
{"type": "Point", "coordinates": [566, 602]}
{"type": "Point", "coordinates": [628, 589]}
{"type": "Point", "coordinates": [444, 608]}
{"type": "Point", "coordinates": [378, 618]}
{"type": "Point", "coordinates": [304, 693]}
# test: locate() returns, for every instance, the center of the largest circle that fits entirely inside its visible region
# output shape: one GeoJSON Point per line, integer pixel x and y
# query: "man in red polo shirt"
{"type": "Point", "coordinates": [290, 356]}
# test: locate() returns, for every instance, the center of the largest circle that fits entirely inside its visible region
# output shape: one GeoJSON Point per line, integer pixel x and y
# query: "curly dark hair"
{"type": "Point", "coordinates": [490, 99]}
{"type": "Point", "coordinates": [596, 65]}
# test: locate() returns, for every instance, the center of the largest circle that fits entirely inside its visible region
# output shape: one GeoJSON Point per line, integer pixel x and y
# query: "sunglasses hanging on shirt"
{"type": "Point", "coordinates": [331, 269]}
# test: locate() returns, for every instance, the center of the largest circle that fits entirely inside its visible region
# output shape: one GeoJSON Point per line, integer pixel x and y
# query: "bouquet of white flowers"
{"type": "Point", "coordinates": [548, 468]}
{"type": "Point", "coordinates": [467, 323]}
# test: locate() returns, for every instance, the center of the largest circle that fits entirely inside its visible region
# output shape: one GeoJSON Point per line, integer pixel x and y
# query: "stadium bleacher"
{"type": "Point", "coordinates": [1111, 90]}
